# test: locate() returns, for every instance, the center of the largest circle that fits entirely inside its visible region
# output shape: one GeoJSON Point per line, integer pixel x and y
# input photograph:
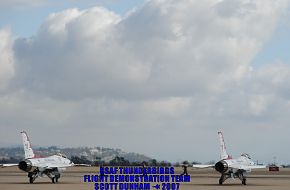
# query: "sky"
{"type": "Point", "coordinates": [158, 77]}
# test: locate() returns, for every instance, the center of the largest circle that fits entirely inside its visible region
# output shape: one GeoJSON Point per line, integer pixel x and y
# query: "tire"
{"type": "Point", "coordinates": [244, 181]}
{"type": "Point", "coordinates": [31, 179]}
{"type": "Point", "coordinates": [220, 181]}
{"type": "Point", "coordinates": [57, 176]}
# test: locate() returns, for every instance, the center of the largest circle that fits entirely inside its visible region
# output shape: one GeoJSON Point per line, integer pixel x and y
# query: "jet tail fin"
{"type": "Point", "coordinates": [223, 151]}
{"type": "Point", "coordinates": [27, 146]}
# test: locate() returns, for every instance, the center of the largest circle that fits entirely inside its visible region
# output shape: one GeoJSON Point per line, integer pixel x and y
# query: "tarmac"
{"type": "Point", "coordinates": [13, 179]}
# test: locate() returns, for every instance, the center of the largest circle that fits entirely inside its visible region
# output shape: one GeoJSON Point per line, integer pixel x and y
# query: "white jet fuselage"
{"type": "Point", "coordinates": [55, 161]}
{"type": "Point", "coordinates": [233, 165]}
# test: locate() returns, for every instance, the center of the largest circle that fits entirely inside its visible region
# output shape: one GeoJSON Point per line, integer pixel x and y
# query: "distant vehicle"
{"type": "Point", "coordinates": [51, 166]}
{"type": "Point", "coordinates": [229, 167]}
{"type": "Point", "coordinates": [273, 168]}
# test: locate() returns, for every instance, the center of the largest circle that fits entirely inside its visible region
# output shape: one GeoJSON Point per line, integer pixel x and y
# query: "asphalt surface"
{"type": "Point", "coordinates": [13, 179]}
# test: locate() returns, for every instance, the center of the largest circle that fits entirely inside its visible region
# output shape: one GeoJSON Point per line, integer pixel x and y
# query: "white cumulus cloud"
{"type": "Point", "coordinates": [6, 58]}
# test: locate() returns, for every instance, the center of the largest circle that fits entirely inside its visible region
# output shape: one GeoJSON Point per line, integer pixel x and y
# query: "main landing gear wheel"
{"type": "Point", "coordinates": [244, 181]}
{"type": "Point", "coordinates": [55, 178]}
{"type": "Point", "coordinates": [31, 179]}
{"type": "Point", "coordinates": [221, 180]}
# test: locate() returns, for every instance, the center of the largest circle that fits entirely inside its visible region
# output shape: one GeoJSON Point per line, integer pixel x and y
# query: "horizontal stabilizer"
{"type": "Point", "coordinates": [85, 165]}
{"type": "Point", "coordinates": [241, 167]}
{"type": "Point", "coordinates": [8, 165]}
{"type": "Point", "coordinates": [202, 166]}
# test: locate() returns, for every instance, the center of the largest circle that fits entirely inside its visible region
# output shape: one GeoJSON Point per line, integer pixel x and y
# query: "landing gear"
{"type": "Point", "coordinates": [31, 179]}
{"type": "Point", "coordinates": [55, 178]}
{"type": "Point", "coordinates": [221, 180]}
{"type": "Point", "coordinates": [244, 181]}
{"type": "Point", "coordinates": [242, 178]}
{"type": "Point", "coordinates": [224, 177]}
{"type": "Point", "coordinates": [54, 175]}
{"type": "Point", "coordinates": [32, 176]}
{"type": "Point", "coordinates": [239, 174]}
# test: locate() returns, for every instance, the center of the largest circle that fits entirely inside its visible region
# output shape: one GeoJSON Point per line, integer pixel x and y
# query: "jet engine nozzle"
{"type": "Point", "coordinates": [221, 166]}
{"type": "Point", "coordinates": [25, 165]}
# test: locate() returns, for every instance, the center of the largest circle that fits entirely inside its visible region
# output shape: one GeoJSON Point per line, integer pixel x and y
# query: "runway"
{"type": "Point", "coordinates": [12, 178]}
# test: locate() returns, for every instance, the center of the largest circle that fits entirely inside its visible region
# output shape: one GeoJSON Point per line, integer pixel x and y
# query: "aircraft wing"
{"type": "Point", "coordinates": [8, 165]}
{"type": "Point", "coordinates": [203, 166]}
{"type": "Point", "coordinates": [241, 167]}
{"type": "Point", "coordinates": [86, 165]}
{"type": "Point", "coordinates": [51, 166]}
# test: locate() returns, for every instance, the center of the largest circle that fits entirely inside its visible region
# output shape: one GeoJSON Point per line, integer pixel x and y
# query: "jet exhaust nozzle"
{"type": "Point", "coordinates": [221, 166]}
{"type": "Point", "coordinates": [25, 165]}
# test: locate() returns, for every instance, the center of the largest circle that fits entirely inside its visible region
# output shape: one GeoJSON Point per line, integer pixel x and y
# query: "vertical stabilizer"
{"type": "Point", "coordinates": [224, 154]}
{"type": "Point", "coordinates": [27, 146]}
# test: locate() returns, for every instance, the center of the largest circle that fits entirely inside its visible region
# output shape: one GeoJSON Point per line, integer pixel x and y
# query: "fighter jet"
{"type": "Point", "coordinates": [51, 166]}
{"type": "Point", "coordinates": [229, 167]}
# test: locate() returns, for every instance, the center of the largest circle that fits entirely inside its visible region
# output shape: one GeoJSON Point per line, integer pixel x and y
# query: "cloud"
{"type": "Point", "coordinates": [80, 45]}
{"type": "Point", "coordinates": [172, 107]}
{"type": "Point", "coordinates": [273, 78]}
{"type": "Point", "coordinates": [21, 3]}
{"type": "Point", "coordinates": [170, 71]}
{"type": "Point", "coordinates": [6, 58]}
{"type": "Point", "coordinates": [158, 51]}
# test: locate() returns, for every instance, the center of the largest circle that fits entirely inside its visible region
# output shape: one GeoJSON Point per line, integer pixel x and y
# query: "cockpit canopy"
{"type": "Point", "coordinates": [246, 155]}
{"type": "Point", "coordinates": [62, 155]}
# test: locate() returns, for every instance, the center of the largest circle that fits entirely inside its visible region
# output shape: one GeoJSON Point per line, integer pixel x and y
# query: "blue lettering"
{"type": "Point", "coordinates": [97, 186]}
{"type": "Point", "coordinates": [87, 178]}
{"type": "Point", "coordinates": [102, 170]}
{"type": "Point", "coordinates": [112, 178]}
{"type": "Point", "coordinates": [171, 170]}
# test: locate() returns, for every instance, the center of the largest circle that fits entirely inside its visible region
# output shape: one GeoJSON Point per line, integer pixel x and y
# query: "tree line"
{"type": "Point", "coordinates": [117, 161]}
